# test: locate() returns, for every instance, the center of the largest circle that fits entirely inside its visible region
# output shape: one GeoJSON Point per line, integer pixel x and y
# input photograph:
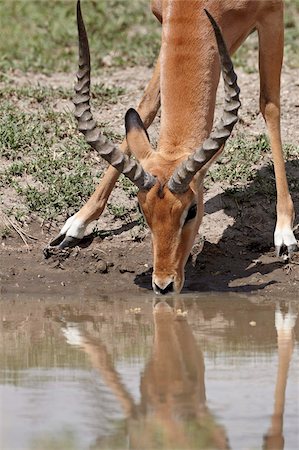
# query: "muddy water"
{"type": "Point", "coordinates": [199, 372]}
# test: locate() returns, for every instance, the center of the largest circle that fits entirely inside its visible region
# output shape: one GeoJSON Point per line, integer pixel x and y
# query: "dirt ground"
{"type": "Point", "coordinates": [237, 254]}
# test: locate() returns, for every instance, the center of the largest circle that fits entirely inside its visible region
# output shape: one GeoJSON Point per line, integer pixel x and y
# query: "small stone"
{"type": "Point", "coordinates": [181, 313]}
{"type": "Point", "coordinates": [101, 266]}
{"type": "Point", "coordinates": [55, 265]}
{"type": "Point", "coordinates": [252, 323]}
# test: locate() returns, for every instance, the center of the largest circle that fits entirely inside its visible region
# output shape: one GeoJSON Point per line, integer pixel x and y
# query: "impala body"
{"type": "Point", "coordinates": [184, 83]}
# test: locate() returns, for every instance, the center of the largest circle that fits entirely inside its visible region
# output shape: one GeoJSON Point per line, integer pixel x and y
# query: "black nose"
{"type": "Point", "coordinates": [164, 291]}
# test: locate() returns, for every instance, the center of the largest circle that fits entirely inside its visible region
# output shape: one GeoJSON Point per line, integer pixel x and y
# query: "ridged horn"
{"type": "Point", "coordinates": [86, 124]}
{"type": "Point", "coordinates": [184, 173]}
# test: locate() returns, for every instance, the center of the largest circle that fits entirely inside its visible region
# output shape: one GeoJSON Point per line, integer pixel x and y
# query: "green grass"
{"type": "Point", "coordinates": [240, 156]}
{"type": "Point", "coordinates": [247, 55]}
{"type": "Point", "coordinates": [45, 160]}
{"type": "Point", "coordinates": [41, 36]}
{"type": "Point", "coordinates": [127, 185]}
{"type": "Point", "coordinates": [291, 33]}
{"type": "Point", "coordinates": [101, 94]}
{"type": "Point", "coordinates": [247, 162]}
{"type": "Point", "coordinates": [47, 163]}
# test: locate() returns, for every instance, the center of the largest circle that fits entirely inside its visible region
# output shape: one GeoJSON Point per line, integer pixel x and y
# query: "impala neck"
{"type": "Point", "coordinates": [189, 77]}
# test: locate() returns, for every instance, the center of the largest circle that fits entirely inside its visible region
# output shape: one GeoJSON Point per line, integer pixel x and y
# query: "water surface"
{"type": "Point", "coordinates": [197, 372]}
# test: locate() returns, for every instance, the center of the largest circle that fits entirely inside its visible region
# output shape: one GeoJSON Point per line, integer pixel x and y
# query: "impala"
{"type": "Point", "coordinates": [184, 83]}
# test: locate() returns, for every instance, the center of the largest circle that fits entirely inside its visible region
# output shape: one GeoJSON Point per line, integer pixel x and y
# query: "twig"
{"type": "Point", "coordinates": [12, 224]}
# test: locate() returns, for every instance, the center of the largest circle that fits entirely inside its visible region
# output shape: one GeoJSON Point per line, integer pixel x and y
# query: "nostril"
{"type": "Point", "coordinates": [166, 290]}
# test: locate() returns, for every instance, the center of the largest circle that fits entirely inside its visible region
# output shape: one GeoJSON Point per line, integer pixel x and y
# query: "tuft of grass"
{"type": "Point", "coordinates": [119, 211]}
{"type": "Point", "coordinates": [248, 163]}
{"type": "Point", "coordinates": [5, 232]}
{"type": "Point", "coordinates": [127, 185]}
{"type": "Point", "coordinates": [106, 95]}
{"type": "Point", "coordinates": [241, 154]}
{"type": "Point", "coordinates": [47, 163]}
{"type": "Point", "coordinates": [17, 212]}
{"type": "Point", "coordinates": [101, 94]}
{"type": "Point", "coordinates": [38, 93]}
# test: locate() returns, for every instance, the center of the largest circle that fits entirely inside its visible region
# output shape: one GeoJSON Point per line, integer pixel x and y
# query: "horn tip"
{"type": "Point", "coordinates": [133, 121]}
{"type": "Point", "coordinates": [207, 13]}
{"type": "Point", "coordinates": [78, 7]}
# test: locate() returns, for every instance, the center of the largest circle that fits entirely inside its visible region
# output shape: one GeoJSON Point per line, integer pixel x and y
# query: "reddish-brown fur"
{"type": "Point", "coordinates": [185, 81]}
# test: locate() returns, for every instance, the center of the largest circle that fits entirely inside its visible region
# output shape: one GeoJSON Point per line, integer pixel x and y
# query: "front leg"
{"type": "Point", "coordinates": [74, 228]}
{"type": "Point", "coordinates": [270, 59]}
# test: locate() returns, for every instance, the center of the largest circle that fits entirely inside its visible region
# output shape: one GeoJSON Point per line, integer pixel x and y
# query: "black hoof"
{"type": "Point", "coordinates": [60, 243]}
{"type": "Point", "coordinates": [57, 240]}
{"type": "Point", "coordinates": [286, 252]}
{"type": "Point", "coordinates": [280, 250]}
{"type": "Point", "coordinates": [69, 241]}
{"type": "Point", "coordinates": [292, 249]}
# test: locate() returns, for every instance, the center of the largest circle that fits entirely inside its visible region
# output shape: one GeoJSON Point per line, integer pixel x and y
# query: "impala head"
{"type": "Point", "coordinates": [172, 217]}
{"type": "Point", "coordinates": [168, 192]}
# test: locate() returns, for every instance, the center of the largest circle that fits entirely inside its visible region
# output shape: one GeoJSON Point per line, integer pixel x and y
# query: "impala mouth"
{"type": "Point", "coordinates": [162, 291]}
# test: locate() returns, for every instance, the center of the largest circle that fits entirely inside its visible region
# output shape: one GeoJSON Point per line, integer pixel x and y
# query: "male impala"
{"type": "Point", "coordinates": [185, 80]}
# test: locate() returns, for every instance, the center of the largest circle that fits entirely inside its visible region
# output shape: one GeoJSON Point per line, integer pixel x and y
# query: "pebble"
{"type": "Point", "coordinates": [101, 267]}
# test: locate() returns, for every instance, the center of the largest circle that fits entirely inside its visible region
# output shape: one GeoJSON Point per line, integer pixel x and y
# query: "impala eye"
{"type": "Point", "coordinates": [191, 213]}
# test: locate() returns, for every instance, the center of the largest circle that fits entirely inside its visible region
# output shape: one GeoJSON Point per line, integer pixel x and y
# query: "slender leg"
{"type": "Point", "coordinates": [74, 228]}
{"type": "Point", "coordinates": [270, 60]}
{"type": "Point", "coordinates": [274, 439]}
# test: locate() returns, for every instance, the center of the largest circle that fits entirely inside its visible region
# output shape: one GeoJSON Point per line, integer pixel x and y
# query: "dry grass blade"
{"type": "Point", "coordinates": [11, 224]}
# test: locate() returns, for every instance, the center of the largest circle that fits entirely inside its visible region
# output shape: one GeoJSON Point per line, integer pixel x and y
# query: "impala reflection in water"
{"type": "Point", "coordinates": [114, 374]}
{"type": "Point", "coordinates": [172, 412]}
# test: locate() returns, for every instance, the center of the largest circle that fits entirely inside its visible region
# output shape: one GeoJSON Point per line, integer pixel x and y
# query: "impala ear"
{"type": "Point", "coordinates": [137, 137]}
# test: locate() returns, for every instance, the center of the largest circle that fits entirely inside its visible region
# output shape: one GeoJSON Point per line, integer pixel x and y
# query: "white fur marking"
{"type": "Point", "coordinates": [285, 323]}
{"type": "Point", "coordinates": [72, 335]}
{"type": "Point", "coordinates": [74, 227]}
{"type": "Point", "coordinates": [284, 236]}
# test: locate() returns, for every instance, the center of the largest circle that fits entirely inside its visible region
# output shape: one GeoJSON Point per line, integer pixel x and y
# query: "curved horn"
{"type": "Point", "coordinates": [182, 176]}
{"type": "Point", "coordinates": [86, 124]}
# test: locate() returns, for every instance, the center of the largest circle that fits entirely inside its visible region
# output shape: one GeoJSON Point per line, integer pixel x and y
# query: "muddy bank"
{"type": "Point", "coordinates": [242, 260]}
